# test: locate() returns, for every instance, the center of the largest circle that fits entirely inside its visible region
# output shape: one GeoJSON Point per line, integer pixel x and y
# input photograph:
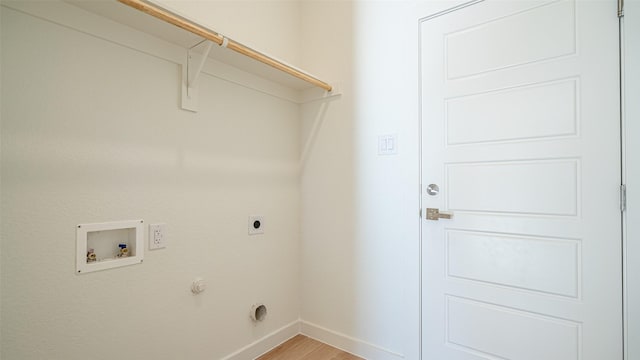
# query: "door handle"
{"type": "Point", "coordinates": [435, 214]}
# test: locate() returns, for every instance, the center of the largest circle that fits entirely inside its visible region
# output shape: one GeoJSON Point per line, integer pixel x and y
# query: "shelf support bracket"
{"type": "Point", "coordinates": [191, 71]}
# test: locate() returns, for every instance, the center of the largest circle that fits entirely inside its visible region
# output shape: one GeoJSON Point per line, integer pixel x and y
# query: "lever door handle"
{"type": "Point", "coordinates": [435, 214]}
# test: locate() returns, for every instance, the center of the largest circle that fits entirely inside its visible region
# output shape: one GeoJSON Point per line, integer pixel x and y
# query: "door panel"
{"type": "Point", "coordinates": [510, 334]}
{"type": "Point", "coordinates": [511, 40]}
{"type": "Point", "coordinates": [506, 187]}
{"type": "Point", "coordinates": [514, 261]}
{"type": "Point", "coordinates": [474, 119]}
{"type": "Point", "coordinates": [521, 132]}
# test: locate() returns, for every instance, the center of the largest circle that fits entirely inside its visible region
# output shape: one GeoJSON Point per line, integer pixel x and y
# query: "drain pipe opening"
{"type": "Point", "coordinates": [258, 312]}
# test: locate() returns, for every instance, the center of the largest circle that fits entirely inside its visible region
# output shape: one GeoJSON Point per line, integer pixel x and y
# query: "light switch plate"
{"type": "Point", "coordinates": [387, 144]}
{"type": "Point", "coordinates": [157, 236]}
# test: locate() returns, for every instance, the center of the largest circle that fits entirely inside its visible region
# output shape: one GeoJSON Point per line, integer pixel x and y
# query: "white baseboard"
{"type": "Point", "coordinates": [341, 341]}
{"type": "Point", "coordinates": [266, 343]}
{"type": "Point", "coordinates": [347, 343]}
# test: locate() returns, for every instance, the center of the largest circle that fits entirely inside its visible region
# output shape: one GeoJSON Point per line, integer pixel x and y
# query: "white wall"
{"type": "Point", "coordinates": [358, 256]}
{"type": "Point", "coordinates": [360, 224]}
{"type": "Point", "coordinates": [270, 26]}
{"type": "Point", "coordinates": [631, 45]}
{"type": "Point", "coordinates": [92, 131]}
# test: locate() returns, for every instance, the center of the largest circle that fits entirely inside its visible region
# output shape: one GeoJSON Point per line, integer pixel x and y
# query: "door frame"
{"type": "Point", "coordinates": [630, 129]}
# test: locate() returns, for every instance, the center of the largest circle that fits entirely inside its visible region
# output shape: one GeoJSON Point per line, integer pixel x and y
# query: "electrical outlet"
{"type": "Point", "coordinates": [256, 225]}
{"type": "Point", "coordinates": [157, 236]}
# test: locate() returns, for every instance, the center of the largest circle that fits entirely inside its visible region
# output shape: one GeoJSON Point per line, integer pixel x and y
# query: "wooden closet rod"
{"type": "Point", "coordinates": [201, 31]}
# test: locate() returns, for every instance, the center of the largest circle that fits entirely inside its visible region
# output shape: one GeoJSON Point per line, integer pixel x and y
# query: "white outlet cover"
{"type": "Point", "coordinates": [157, 236]}
{"type": "Point", "coordinates": [256, 225]}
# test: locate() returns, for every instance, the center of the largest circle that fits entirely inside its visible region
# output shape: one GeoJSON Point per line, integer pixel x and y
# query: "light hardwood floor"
{"type": "Point", "coordinates": [301, 347]}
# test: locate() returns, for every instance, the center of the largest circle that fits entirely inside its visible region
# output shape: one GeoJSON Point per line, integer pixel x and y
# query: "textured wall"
{"type": "Point", "coordinates": [92, 132]}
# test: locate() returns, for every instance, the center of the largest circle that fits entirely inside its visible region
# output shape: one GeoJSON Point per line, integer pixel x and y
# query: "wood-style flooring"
{"type": "Point", "coordinates": [301, 347]}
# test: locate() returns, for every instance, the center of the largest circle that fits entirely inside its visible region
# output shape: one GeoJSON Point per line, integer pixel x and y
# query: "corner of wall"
{"type": "Point", "coordinates": [360, 229]}
{"type": "Point", "coordinates": [347, 343]}
{"type": "Point", "coordinates": [266, 343]}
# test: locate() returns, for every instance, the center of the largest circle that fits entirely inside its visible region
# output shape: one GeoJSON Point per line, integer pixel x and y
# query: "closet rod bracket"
{"type": "Point", "coordinates": [191, 71]}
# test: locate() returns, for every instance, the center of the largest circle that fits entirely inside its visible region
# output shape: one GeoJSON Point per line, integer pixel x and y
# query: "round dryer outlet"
{"type": "Point", "coordinates": [256, 225]}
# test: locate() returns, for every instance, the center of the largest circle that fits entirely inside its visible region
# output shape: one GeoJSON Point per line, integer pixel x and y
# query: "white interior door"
{"type": "Point", "coordinates": [521, 133]}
